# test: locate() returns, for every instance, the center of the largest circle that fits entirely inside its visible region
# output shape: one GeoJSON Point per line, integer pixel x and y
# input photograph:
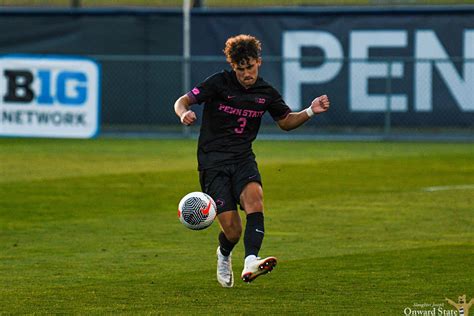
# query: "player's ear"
{"type": "Point", "coordinates": [259, 61]}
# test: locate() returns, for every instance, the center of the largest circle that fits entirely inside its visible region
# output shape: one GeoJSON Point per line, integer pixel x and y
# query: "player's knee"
{"type": "Point", "coordinates": [253, 203]}
{"type": "Point", "coordinates": [231, 225]}
{"type": "Point", "coordinates": [252, 197]}
{"type": "Point", "coordinates": [233, 233]}
{"type": "Point", "coordinates": [254, 206]}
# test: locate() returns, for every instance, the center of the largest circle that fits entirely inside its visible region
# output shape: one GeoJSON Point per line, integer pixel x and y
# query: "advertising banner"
{"type": "Point", "coordinates": [416, 64]}
{"type": "Point", "coordinates": [48, 96]}
{"type": "Point", "coordinates": [407, 67]}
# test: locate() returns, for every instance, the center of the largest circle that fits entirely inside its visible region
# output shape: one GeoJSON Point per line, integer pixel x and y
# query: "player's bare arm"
{"type": "Point", "coordinates": [295, 119]}
{"type": "Point", "coordinates": [182, 110]}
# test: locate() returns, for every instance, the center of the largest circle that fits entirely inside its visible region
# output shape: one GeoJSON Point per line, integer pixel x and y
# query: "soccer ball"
{"type": "Point", "coordinates": [197, 210]}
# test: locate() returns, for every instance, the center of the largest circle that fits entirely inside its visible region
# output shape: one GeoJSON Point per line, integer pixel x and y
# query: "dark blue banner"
{"type": "Point", "coordinates": [416, 64]}
{"type": "Point", "coordinates": [419, 65]}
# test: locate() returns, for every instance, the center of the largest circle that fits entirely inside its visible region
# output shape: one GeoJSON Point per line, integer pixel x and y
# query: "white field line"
{"type": "Point", "coordinates": [449, 187]}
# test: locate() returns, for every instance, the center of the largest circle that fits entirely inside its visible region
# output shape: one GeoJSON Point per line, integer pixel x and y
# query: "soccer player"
{"type": "Point", "coordinates": [234, 103]}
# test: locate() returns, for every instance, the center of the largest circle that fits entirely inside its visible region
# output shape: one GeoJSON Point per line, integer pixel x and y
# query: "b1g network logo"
{"type": "Point", "coordinates": [47, 96]}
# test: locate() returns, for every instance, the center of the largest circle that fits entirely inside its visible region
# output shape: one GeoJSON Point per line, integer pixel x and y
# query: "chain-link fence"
{"type": "Point", "coordinates": [143, 69]}
{"type": "Point", "coordinates": [381, 97]}
{"type": "Point", "coordinates": [221, 3]}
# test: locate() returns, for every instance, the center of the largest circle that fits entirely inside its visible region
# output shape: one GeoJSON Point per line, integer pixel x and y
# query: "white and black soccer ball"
{"type": "Point", "coordinates": [197, 210]}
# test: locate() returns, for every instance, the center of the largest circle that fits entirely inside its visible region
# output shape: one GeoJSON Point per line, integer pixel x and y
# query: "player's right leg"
{"type": "Point", "coordinates": [229, 236]}
{"type": "Point", "coordinates": [216, 182]}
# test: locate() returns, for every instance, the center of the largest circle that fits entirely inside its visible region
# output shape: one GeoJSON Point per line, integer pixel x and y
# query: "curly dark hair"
{"type": "Point", "coordinates": [241, 48]}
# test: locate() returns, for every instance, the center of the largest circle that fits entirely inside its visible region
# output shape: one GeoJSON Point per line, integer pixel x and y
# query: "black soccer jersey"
{"type": "Point", "coordinates": [231, 117]}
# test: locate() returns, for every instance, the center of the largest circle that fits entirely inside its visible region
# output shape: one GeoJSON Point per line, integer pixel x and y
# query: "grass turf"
{"type": "Point", "coordinates": [90, 226]}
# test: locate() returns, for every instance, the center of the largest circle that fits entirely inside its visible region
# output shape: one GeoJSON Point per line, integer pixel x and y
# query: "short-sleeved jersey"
{"type": "Point", "coordinates": [231, 117]}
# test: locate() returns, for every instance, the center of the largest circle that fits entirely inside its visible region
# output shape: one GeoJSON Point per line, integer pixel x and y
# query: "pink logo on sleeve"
{"type": "Point", "coordinates": [195, 91]}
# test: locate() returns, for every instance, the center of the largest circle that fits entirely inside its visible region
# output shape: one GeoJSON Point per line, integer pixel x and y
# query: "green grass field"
{"type": "Point", "coordinates": [90, 227]}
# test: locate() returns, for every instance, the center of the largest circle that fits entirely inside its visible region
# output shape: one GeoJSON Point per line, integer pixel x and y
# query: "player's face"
{"type": "Point", "coordinates": [247, 71]}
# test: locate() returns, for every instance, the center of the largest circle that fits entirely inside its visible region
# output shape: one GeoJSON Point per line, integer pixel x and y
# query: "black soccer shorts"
{"type": "Point", "coordinates": [225, 183]}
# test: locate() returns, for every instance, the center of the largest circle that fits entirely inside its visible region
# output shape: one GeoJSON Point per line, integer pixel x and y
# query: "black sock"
{"type": "Point", "coordinates": [225, 245]}
{"type": "Point", "coordinates": [254, 232]}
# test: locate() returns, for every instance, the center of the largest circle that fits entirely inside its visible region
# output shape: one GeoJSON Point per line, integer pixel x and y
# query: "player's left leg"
{"type": "Point", "coordinates": [251, 200]}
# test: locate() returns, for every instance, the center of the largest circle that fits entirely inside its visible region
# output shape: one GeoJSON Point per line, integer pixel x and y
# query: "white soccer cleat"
{"type": "Point", "coordinates": [225, 275]}
{"type": "Point", "coordinates": [255, 267]}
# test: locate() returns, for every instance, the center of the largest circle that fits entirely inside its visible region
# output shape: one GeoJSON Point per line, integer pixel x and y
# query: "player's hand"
{"type": "Point", "coordinates": [188, 117]}
{"type": "Point", "coordinates": [320, 104]}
